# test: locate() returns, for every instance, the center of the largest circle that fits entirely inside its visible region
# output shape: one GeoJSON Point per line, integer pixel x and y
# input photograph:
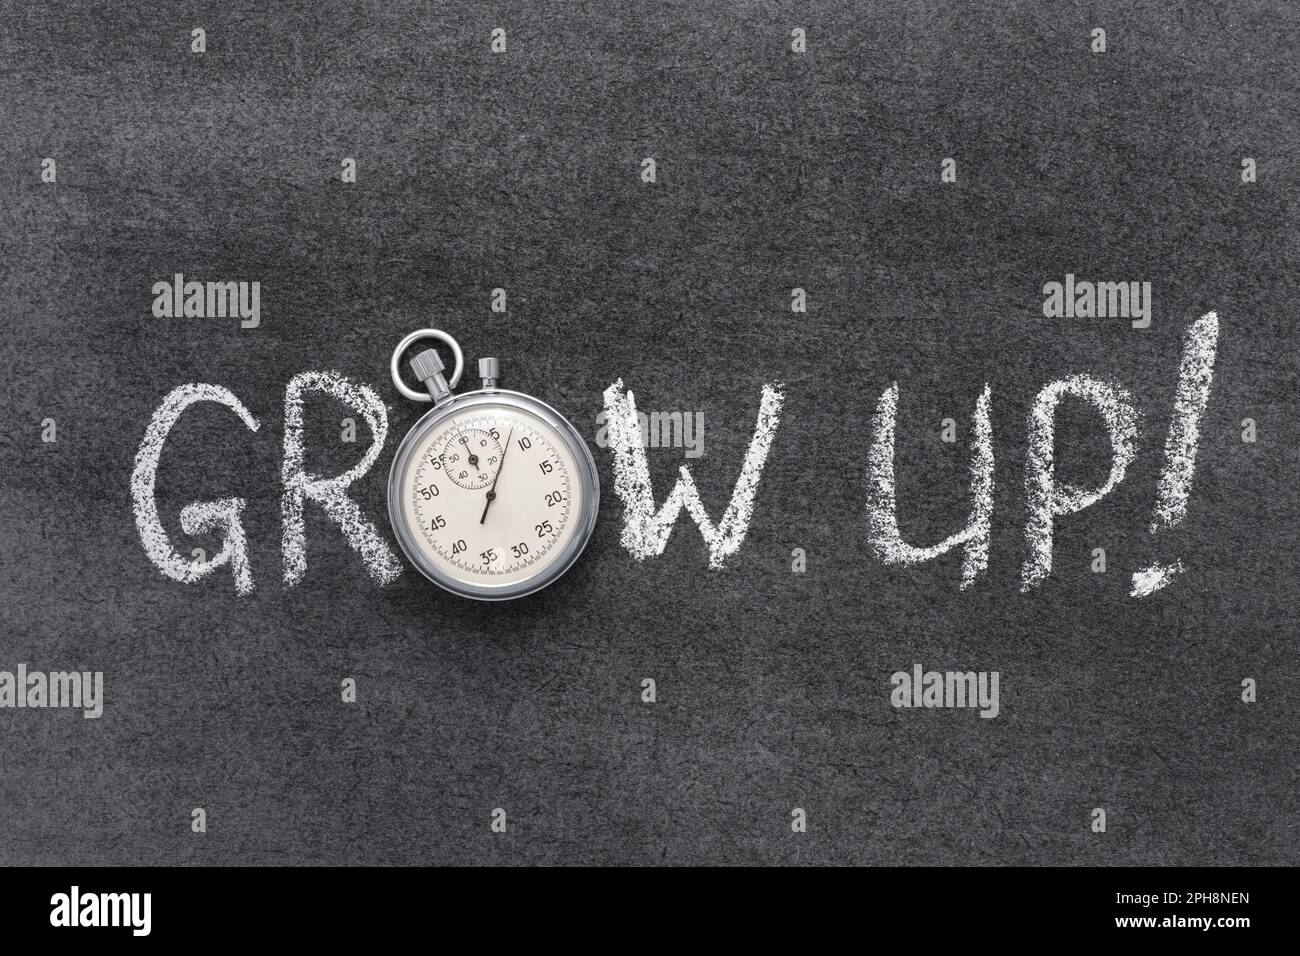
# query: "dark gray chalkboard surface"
{"type": "Point", "coordinates": [775, 169]}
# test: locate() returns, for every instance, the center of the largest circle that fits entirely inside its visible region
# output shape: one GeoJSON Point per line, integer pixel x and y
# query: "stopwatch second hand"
{"type": "Point", "coordinates": [492, 492]}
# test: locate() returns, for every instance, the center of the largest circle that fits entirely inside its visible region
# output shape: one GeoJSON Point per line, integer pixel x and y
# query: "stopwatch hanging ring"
{"type": "Point", "coordinates": [406, 343]}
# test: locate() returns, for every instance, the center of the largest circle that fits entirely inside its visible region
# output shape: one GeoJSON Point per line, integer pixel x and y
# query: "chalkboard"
{"type": "Point", "coordinates": [840, 198]}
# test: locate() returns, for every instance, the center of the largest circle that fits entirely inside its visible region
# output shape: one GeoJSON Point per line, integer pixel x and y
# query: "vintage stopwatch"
{"type": "Point", "coordinates": [493, 494]}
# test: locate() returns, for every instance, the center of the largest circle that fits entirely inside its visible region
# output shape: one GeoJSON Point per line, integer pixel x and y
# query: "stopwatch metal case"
{"type": "Point", "coordinates": [448, 405]}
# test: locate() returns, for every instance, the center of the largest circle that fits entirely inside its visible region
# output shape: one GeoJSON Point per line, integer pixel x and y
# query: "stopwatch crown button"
{"type": "Point", "coordinates": [489, 369]}
{"type": "Point", "coordinates": [428, 369]}
{"type": "Point", "coordinates": [426, 365]}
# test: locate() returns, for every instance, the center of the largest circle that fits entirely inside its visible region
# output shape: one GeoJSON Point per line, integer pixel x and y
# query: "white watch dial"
{"type": "Point", "coordinates": [491, 495]}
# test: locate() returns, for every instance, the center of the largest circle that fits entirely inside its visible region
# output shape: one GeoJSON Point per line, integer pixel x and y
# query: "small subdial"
{"type": "Point", "coordinates": [470, 457]}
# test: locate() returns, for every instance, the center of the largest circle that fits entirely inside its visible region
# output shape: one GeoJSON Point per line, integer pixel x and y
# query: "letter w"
{"type": "Point", "coordinates": [645, 531]}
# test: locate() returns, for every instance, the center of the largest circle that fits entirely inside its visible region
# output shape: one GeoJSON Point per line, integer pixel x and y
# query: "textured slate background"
{"type": "Point", "coordinates": [775, 170]}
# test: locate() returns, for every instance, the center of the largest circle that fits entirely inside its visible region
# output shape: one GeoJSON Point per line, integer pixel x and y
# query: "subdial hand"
{"type": "Point", "coordinates": [473, 458]}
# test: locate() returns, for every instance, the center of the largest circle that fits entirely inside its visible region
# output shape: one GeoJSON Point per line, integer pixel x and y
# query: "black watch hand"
{"type": "Point", "coordinates": [473, 458]}
{"type": "Point", "coordinates": [492, 492]}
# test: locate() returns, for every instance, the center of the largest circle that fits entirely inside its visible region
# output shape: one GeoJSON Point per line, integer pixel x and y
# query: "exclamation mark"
{"type": "Point", "coordinates": [1195, 376]}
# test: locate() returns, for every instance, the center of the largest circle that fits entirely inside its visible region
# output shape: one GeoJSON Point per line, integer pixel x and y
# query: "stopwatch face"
{"type": "Point", "coordinates": [494, 495]}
